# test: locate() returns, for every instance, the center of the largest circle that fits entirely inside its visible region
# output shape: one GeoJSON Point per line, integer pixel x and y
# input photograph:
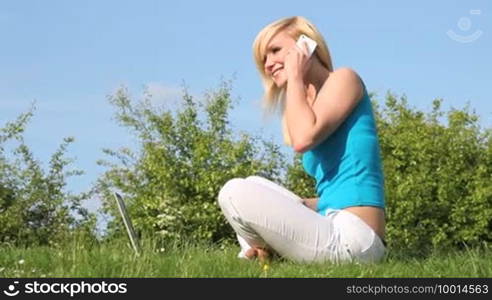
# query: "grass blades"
{"type": "Point", "coordinates": [117, 259]}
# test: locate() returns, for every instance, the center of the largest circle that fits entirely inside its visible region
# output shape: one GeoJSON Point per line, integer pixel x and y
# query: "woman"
{"type": "Point", "coordinates": [327, 116]}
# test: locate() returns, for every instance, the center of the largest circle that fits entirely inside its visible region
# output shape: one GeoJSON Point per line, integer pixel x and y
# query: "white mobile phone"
{"type": "Point", "coordinates": [310, 43]}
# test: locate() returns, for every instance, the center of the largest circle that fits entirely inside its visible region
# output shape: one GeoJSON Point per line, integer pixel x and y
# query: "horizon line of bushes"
{"type": "Point", "coordinates": [437, 175]}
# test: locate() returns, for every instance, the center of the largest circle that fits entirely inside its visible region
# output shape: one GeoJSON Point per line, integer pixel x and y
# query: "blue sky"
{"type": "Point", "coordinates": [69, 55]}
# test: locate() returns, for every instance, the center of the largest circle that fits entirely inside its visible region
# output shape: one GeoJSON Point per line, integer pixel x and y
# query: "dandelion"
{"type": "Point", "coordinates": [162, 250]}
{"type": "Point", "coordinates": [21, 262]}
{"type": "Point", "coordinates": [264, 267]}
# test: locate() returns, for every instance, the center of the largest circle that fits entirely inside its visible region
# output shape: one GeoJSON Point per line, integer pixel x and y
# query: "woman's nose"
{"type": "Point", "coordinates": [269, 64]}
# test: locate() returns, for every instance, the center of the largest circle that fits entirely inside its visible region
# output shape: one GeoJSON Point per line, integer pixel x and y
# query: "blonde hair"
{"type": "Point", "coordinates": [273, 97]}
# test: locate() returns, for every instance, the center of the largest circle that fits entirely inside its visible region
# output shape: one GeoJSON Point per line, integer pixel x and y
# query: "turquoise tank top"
{"type": "Point", "coordinates": [347, 164]}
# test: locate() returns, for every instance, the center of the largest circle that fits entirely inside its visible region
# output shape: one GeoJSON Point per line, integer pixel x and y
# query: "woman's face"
{"type": "Point", "coordinates": [275, 55]}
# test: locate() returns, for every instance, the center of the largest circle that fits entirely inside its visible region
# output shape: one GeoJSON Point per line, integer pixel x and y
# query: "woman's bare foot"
{"type": "Point", "coordinates": [262, 254]}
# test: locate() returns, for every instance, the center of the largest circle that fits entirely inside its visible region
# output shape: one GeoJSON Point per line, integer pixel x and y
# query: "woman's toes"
{"type": "Point", "coordinates": [263, 255]}
{"type": "Point", "coordinates": [251, 253]}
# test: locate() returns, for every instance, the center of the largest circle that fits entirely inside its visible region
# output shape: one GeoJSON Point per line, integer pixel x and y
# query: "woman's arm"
{"type": "Point", "coordinates": [299, 115]}
{"type": "Point", "coordinates": [308, 126]}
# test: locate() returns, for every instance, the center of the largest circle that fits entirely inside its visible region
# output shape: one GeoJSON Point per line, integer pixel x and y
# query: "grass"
{"type": "Point", "coordinates": [116, 259]}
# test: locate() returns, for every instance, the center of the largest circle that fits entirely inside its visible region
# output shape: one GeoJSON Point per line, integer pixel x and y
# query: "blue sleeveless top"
{"type": "Point", "coordinates": [347, 164]}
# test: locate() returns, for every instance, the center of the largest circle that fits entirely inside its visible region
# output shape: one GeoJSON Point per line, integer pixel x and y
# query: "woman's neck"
{"type": "Point", "coordinates": [316, 76]}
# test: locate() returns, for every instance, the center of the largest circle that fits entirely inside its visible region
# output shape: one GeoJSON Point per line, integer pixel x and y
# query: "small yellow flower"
{"type": "Point", "coordinates": [266, 267]}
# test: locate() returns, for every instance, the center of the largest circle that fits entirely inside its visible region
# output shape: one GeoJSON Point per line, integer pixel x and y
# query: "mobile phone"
{"type": "Point", "coordinates": [310, 43]}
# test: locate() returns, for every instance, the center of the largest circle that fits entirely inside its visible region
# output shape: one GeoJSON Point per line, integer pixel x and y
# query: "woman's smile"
{"type": "Point", "coordinates": [276, 71]}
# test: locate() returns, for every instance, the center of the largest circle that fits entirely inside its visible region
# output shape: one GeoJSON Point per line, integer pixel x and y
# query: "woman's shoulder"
{"type": "Point", "coordinates": [345, 80]}
{"type": "Point", "coordinates": [345, 75]}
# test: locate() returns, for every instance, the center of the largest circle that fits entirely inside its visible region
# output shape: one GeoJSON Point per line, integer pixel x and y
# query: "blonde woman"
{"type": "Point", "coordinates": [327, 116]}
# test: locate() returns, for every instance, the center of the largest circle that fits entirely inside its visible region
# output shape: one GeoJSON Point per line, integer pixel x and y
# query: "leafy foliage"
{"type": "Point", "coordinates": [437, 176]}
{"type": "Point", "coordinates": [34, 206]}
{"type": "Point", "coordinates": [298, 181]}
{"type": "Point", "coordinates": [172, 183]}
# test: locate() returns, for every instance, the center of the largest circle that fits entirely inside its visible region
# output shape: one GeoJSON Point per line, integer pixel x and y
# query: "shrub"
{"type": "Point", "coordinates": [438, 176]}
{"type": "Point", "coordinates": [34, 206]}
{"type": "Point", "coordinates": [171, 184]}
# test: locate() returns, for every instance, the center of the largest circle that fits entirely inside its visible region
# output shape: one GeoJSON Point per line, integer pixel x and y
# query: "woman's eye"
{"type": "Point", "coordinates": [272, 50]}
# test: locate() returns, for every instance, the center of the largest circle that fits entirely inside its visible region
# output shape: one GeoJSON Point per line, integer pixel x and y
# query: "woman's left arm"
{"type": "Point", "coordinates": [308, 126]}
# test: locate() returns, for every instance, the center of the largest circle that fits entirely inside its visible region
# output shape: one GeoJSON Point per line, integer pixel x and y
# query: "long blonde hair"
{"type": "Point", "coordinates": [274, 97]}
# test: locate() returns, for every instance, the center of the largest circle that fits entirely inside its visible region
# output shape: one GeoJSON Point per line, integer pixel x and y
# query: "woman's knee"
{"type": "Point", "coordinates": [230, 190]}
{"type": "Point", "coordinates": [255, 177]}
{"type": "Point", "coordinates": [260, 180]}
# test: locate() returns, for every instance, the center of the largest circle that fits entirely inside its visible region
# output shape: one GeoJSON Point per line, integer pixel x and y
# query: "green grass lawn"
{"type": "Point", "coordinates": [116, 259]}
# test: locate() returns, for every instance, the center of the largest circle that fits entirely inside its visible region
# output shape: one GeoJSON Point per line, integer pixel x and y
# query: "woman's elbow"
{"type": "Point", "coordinates": [301, 147]}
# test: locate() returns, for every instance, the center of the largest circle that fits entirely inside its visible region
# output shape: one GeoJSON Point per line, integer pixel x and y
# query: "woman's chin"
{"type": "Point", "coordinates": [280, 83]}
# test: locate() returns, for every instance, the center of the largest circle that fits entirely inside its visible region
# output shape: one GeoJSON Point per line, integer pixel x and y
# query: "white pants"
{"type": "Point", "coordinates": [265, 214]}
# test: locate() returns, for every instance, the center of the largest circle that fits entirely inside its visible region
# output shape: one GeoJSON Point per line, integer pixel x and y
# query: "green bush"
{"type": "Point", "coordinates": [35, 209]}
{"type": "Point", "coordinates": [185, 156]}
{"type": "Point", "coordinates": [298, 181]}
{"type": "Point", "coordinates": [438, 176]}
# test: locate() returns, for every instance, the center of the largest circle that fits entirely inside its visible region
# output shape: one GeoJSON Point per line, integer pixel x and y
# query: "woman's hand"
{"type": "Point", "coordinates": [297, 62]}
{"type": "Point", "coordinates": [311, 203]}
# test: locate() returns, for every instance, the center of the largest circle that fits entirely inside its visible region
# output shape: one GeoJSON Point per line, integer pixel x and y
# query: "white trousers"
{"type": "Point", "coordinates": [265, 214]}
